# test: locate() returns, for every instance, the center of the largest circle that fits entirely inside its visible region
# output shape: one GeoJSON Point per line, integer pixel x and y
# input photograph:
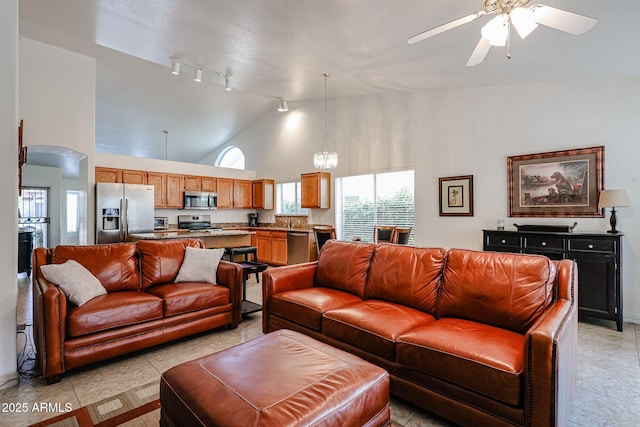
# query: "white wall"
{"type": "Point", "coordinates": [8, 190]}
{"type": "Point", "coordinates": [462, 132]}
{"type": "Point", "coordinates": [57, 103]}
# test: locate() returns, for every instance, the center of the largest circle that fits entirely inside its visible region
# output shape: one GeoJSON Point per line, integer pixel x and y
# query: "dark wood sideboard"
{"type": "Point", "coordinates": [599, 259]}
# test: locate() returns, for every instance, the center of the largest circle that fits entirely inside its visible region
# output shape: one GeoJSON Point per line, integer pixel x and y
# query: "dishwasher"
{"type": "Point", "coordinates": [297, 247]}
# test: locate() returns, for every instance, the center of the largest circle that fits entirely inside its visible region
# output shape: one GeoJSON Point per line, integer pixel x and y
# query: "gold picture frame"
{"type": "Point", "coordinates": [556, 183]}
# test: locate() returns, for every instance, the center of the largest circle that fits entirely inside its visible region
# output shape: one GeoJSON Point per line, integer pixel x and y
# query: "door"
{"type": "Point", "coordinates": [33, 214]}
{"type": "Point", "coordinates": [109, 211]}
{"type": "Point", "coordinates": [596, 283]}
{"type": "Point", "coordinates": [139, 209]}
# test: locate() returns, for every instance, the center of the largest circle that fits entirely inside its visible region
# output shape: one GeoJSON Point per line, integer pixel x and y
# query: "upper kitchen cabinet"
{"type": "Point", "coordinates": [316, 190]}
{"type": "Point", "coordinates": [242, 194]}
{"type": "Point", "coordinates": [263, 194]}
{"type": "Point", "coordinates": [159, 182]}
{"type": "Point", "coordinates": [108, 175]}
{"type": "Point", "coordinates": [225, 193]}
{"type": "Point", "coordinates": [192, 183]}
{"type": "Point", "coordinates": [175, 191]}
{"type": "Point", "coordinates": [134, 177]}
{"type": "Point", "coordinates": [209, 185]}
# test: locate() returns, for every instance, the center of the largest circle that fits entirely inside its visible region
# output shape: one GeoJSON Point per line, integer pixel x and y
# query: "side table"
{"type": "Point", "coordinates": [248, 268]}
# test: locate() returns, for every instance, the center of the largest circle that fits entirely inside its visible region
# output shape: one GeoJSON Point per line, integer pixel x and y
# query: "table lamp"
{"type": "Point", "coordinates": [611, 199]}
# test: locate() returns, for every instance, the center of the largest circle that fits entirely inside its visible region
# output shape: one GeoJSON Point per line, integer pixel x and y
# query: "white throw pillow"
{"type": "Point", "coordinates": [77, 283]}
{"type": "Point", "coordinates": [199, 265]}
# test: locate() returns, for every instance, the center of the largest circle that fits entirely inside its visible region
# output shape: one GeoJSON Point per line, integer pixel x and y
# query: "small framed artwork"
{"type": "Point", "coordinates": [456, 196]}
{"type": "Point", "coordinates": [556, 183]}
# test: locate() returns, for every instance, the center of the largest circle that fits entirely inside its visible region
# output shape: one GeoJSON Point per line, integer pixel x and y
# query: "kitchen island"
{"type": "Point", "coordinates": [211, 238]}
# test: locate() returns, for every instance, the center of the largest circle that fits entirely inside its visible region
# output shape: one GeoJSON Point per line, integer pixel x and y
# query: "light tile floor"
{"type": "Point", "coordinates": [608, 389]}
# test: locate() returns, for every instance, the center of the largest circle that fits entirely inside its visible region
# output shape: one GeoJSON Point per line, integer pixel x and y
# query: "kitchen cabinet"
{"type": "Point", "coordinates": [192, 183]}
{"type": "Point", "coordinates": [263, 194]}
{"type": "Point", "coordinates": [242, 194]}
{"type": "Point", "coordinates": [599, 260]}
{"type": "Point", "coordinates": [108, 175]}
{"type": "Point", "coordinates": [272, 247]}
{"type": "Point", "coordinates": [209, 185]}
{"type": "Point", "coordinates": [159, 182]}
{"type": "Point", "coordinates": [175, 191]}
{"type": "Point", "coordinates": [225, 193]}
{"type": "Point", "coordinates": [316, 190]}
{"type": "Point", "coordinates": [134, 177]}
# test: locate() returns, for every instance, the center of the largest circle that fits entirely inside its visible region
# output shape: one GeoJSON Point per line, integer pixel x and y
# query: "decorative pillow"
{"type": "Point", "coordinates": [199, 265]}
{"type": "Point", "coordinates": [77, 283]}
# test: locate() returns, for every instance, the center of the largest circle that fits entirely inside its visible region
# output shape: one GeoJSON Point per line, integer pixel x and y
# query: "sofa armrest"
{"type": "Point", "coordinates": [552, 355]}
{"type": "Point", "coordinates": [229, 274]}
{"type": "Point", "coordinates": [298, 276]}
{"type": "Point", "coordinates": [49, 320]}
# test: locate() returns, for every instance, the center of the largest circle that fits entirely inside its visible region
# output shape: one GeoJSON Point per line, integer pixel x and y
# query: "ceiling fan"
{"type": "Point", "coordinates": [497, 32]}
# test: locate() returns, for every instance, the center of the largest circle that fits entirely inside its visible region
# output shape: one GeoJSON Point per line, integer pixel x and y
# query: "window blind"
{"type": "Point", "coordinates": [363, 201]}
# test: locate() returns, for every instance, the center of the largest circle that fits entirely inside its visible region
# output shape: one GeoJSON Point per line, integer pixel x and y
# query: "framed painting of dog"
{"type": "Point", "coordinates": [556, 183]}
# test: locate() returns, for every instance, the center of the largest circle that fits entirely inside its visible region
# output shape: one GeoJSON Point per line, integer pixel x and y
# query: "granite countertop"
{"type": "Point", "coordinates": [185, 234]}
{"type": "Point", "coordinates": [267, 228]}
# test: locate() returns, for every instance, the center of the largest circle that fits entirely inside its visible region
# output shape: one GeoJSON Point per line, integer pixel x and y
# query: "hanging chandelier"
{"type": "Point", "coordinates": [325, 159]}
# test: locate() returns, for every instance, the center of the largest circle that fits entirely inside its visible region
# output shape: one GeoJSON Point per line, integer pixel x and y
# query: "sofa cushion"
{"type": "Point", "coordinates": [77, 283]}
{"type": "Point", "coordinates": [306, 306]}
{"type": "Point", "coordinates": [199, 265]}
{"type": "Point", "coordinates": [478, 357]}
{"type": "Point", "coordinates": [114, 265]}
{"type": "Point", "coordinates": [500, 289]}
{"type": "Point", "coordinates": [160, 260]}
{"type": "Point", "coordinates": [113, 310]}
{"type": "Point", "coordinates": [406, 275]}
{"type": "Point", "coordinates": [373, 325]}
{"type": "Point", "coordinates": [179, 298]}
{"type": "Point", "coordinates": [344, 266]}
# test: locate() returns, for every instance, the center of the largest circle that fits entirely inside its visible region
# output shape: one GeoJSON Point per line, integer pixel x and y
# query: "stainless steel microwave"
{"type": "Point", "coordinates": [200, 200]}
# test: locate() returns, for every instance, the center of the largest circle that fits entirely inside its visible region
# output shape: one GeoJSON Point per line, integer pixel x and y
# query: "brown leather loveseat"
{"type": "Point", "coordinates": [142, 306]}
{"type": "Point", "coordinates": [479, 338]}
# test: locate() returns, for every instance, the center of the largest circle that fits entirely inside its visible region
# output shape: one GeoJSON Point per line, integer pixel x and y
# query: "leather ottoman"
{"type": "Point", "coordinates": [280, 379]}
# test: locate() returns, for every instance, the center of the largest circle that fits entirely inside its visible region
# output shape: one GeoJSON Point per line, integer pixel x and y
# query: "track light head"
{"type": "Point", "coordinates": [198, 75]}
{"type": "Point", "coordinates": [282, 105]}
{"type": "Point", "coordinates": [175, 67]}
{"type": "Point", "coordinates": [227, 82]}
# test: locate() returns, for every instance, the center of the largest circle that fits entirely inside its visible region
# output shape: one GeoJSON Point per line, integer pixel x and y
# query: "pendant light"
{"type": "Point", "coordinates": [325, 159]}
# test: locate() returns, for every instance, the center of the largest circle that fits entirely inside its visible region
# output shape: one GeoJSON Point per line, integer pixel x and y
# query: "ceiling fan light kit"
{"type": "Point", "coordinates": [497, 31]}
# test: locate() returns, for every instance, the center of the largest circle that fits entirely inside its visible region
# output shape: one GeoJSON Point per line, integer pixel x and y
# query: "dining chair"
{"type": "Point", "coordinates": [402, 235]}
{"type": "Point", "coordinates": [323, 233]}
{"type": "Point", "coordinates": [384, 233]}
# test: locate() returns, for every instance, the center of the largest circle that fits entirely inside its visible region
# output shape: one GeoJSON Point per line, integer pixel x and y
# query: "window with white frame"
{"type": "Point", "coordinates": [231, 157]}
{"type": "Point", "coordinates": [288, 198]}
{"type": "Point", "coordinates": [363, 201]}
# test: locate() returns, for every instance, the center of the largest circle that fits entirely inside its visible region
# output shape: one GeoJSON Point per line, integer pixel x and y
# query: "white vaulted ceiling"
{"type": "Point", "coordinates": [280, 48]}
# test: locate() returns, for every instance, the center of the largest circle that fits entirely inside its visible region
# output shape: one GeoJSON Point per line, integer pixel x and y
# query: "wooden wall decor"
{"type": "Point", "coordinates": [22, 156]}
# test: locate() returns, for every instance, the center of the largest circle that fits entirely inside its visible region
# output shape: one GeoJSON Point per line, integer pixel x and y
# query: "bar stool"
{"type": "Point", "coordinates": [243, 250]}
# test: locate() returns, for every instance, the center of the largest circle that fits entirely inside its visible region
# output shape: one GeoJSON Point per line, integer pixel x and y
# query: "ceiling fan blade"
{"type": "Point", "coordinates": [479, 53]}
{"type": "Point", "coordinates": [561, 19]}
{"type": "Point", "coordinates": [444, 27]}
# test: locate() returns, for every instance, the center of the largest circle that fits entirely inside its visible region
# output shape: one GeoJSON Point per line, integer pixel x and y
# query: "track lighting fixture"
{"type": "Point", "coordinates": [282, 105]}
{"type": "Point", "coordinates": [199, 71]}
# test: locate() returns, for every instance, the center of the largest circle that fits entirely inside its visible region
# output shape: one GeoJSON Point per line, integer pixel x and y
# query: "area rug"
{"type": "Point", "coordinates": [134, 406]}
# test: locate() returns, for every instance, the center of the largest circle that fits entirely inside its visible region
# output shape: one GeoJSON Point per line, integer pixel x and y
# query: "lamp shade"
{"type": "Point", "coordinates": [613, 198]}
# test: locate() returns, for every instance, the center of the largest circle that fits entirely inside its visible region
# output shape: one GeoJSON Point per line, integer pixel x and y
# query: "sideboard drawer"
{"type": "Point", "coordinates": [503, 240]}
{"type": "Point", "coordinates": [592, 245]}
{"type": "Point", "coordinates": [544, 242]}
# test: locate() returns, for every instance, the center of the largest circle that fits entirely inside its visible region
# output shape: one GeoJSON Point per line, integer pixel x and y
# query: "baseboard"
{"type": "Point", "coordinates": [631, 319]}
{"type": "Point", "coordinates": [10, 380]}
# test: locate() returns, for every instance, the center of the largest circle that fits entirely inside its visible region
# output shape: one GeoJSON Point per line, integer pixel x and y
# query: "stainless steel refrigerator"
{"type": "Point", "coordinates": [123, 209]}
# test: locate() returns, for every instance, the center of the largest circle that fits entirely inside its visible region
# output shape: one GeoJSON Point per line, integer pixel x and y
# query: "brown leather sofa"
{"type": "Point", "coordinates": [479, 338]}
{"type": "Point", "coordinates": [142, 306]}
